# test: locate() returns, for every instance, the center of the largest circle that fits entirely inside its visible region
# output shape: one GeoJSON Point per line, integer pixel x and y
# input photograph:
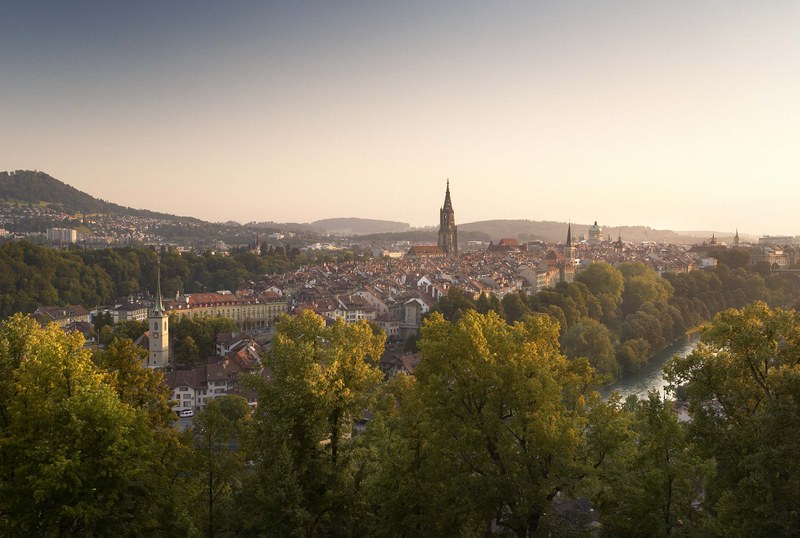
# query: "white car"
{"type": "Point", "coordinates": [187, 413]}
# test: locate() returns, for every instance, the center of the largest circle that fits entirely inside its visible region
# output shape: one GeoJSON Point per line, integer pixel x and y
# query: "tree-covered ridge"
{"type": "Point", "coordinates": [34, 187]}
{"type": "Point", "coordinates": [33, 275]}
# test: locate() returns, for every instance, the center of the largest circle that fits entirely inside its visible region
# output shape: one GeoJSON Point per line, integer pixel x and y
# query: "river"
{"type": "Point", "coordinates": [651, 376]}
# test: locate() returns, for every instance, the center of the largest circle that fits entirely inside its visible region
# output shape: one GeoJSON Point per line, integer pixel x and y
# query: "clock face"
{"type": "Point", "coordinates": [155, 334]}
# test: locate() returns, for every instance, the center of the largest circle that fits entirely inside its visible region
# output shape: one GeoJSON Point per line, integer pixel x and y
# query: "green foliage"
{"type": "Point", "coordinates": [606, 284]}
{"type": "Point", "coordinates": [322, 379]}
{"type": "Point", "coordinates": [33, 275]}
{"type": "Point", "coordinates": [515, 307]}
{"type": "Point", "coordinates": [734, 258]}
{"type": "Point", "coordinates": [454, 304]}
{"type": "Point", "coordinates": [642, 285]}
{"type": "Point", "coordinates": [103, 319]}
{"type": "Point", "coordinates": [591, 339]}
{"type": "Point", "coordinates": [492, 430]}
{"type": "Point", "coordinates": [742, 383]}
{"type": "Point", "coordinates": [83, 452]}
{"type": "Point", "coordinates": [187, 353]}
{"type": "Point", "coordinates": [217, 463]}
{"type": "Point", "coordinates": [196, 336]}
{"type": "Point", "coordinates": [650, 487]}
{"type": "Point", "coordinates": [633, 354]}
{"type": "Point", "coordinates": [130, 329]}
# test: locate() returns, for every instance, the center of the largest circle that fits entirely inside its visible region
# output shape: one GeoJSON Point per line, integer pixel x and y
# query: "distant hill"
{"type": "Point", "coordinates": [338, 226]}
{"type": "Point", "coordinates": [26, 186]}
{"type": "Point", "coordinates": [528, 230]}
{"type": "Point", "coordinates": [548, 231]}
{"type": "Point", "coordinates": [356, 226]}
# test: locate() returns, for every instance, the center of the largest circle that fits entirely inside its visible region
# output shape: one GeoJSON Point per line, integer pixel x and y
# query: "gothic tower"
{"type": "Point", "coordinates": [736, 238]}
{"type": "Point", "coordinates": [159, 330]}
{"type": "Point", "coordinates": [448, 233]}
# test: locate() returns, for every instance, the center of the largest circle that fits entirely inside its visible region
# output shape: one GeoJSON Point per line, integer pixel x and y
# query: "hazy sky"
{"type": "Point", "coordinates": [676, 114]}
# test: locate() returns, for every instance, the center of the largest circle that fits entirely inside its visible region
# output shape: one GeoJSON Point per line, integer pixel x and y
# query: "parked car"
{"type": "Point", "coordinates": [187, 413]}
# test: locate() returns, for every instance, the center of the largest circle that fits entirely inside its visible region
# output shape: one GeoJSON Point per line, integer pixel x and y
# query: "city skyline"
{"type": "Point", "coordinates": [674, 117]}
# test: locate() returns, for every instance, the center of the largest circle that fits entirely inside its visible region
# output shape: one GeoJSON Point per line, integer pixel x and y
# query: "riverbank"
{"type": "Point", "coordinates": [652, 375]}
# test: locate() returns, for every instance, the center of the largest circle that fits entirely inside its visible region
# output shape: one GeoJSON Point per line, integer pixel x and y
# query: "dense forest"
{"type": "Point", "coordinates": [33, 275]}
{"type": "Point", "coordinates": [497, 433]}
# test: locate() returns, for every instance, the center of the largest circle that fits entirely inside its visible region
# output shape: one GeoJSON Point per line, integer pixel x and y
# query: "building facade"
{"type": "Point", "coordinates": [254, 312]}
{"type": "Point", "coordinates": [62, 235]}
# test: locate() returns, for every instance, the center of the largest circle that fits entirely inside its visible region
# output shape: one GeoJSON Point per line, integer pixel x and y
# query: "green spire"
{"type": "Point", "coordinates": [158, 307]}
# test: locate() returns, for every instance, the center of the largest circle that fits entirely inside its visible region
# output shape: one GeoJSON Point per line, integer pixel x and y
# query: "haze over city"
{"type": "Point", "coordinates": [680, 116]}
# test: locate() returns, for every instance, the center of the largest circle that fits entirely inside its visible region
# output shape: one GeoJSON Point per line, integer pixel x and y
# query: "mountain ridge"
{"type": "Point", "coordinates": [33, 186]}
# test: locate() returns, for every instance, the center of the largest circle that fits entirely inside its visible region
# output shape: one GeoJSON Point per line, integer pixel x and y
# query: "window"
{"type": "Point", "coordinates": [187, 404]}
{"type": "Point", "coordinates": [187, 396]}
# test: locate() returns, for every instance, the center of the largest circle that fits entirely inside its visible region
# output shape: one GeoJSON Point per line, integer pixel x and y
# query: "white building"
{"type": "Point", "coordinates": [62, 235]}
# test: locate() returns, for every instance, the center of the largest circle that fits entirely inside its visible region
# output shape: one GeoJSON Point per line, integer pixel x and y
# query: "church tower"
{"type": "Point", "coordinates": [569, 247]}
{"type": "Point", "coordinates": [736, 238]}
{"type": "Point", "coordinates": [448, 233]}
{"type": "Point", "coordinates": [159, 330]}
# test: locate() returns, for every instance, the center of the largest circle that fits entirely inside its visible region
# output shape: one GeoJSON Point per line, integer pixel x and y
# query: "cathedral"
{"type": "Point", "coordinates": [448, 233]}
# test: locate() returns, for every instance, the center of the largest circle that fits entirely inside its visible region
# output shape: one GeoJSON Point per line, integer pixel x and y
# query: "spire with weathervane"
{"type": "Point", "coordinates": [158, 322]}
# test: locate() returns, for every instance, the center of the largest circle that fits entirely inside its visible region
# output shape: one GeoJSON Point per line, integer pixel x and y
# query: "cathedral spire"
{"type": "Point", "coordinates": [448, 232]}
{"type": "Point", "coordinates": [569, 234]}
{"type": "Point", "coordinates": [448, 205]}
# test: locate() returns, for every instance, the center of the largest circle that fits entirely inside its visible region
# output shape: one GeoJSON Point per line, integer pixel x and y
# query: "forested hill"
{"type": "Point", "coordinates": [35, 187]}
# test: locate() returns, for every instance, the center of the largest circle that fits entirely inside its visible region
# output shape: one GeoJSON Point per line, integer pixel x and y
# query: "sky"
{"type": "Point", "coordinates": [680, 115]}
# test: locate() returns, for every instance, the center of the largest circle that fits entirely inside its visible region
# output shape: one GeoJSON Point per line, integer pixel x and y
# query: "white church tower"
{"type": "Point", "coordinates": [159, 330]}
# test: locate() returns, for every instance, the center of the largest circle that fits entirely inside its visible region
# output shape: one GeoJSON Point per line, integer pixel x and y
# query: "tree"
{"type": "Point", "coordinates": [130, 329]}
{"type": "Point", "coordinates": [322, 379]}
{"type": "Point", "coordinates": [591, 339]}
{"type": "Point", "coordinates": [218, 462]}
{"type": "Point", "coordinates": [454, 304]}
{"type": "Point", "coordinates": [651, 487]}
{"type": "Point", "coordinates": [504, 422]}
{"type": "Point", "coordinates": [515, 307]}
{"type": "Point", "coordinates": [202, 330]}
{"type": "Point", "coordinates": [75, 459]}
{"type": "Point", "coordinates": [142, 388]}
{"type": "Point", "coordinates": [103, 319]}
{"type": "Point", "coordinates": [602, 279]}
{"type": "Point", "coordinates": [642, 285]}
{"type": "Point", "coordinates": [187, 353]}
{"type": "Point", "coordinates": [606, 284]}
{"type": "Point", "coordinates": [633, 354]}
{"type": "Point", "coordinates": [742, 382]}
